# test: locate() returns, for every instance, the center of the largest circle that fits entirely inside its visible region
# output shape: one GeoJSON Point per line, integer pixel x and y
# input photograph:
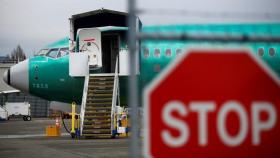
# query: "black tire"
{"type": "Point", "coordinates": [28, 118]}
{"type": "Point", "coordinates": [24, 118]}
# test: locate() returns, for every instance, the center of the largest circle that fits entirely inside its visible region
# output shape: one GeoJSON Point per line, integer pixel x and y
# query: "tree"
{"type": "Point", "coordinates": [18, 54]}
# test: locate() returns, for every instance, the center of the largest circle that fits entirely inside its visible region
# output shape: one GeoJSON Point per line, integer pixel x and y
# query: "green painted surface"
{"type": "Point", "coordinates": [62, 43]}
{"type": "Point", "coordinates": [49, 78]}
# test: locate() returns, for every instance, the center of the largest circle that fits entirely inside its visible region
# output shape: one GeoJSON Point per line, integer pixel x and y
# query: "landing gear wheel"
{"type": "Point", "coordinates": [24, 118]}
{"type": "Point", "coordinates": [28, 118]}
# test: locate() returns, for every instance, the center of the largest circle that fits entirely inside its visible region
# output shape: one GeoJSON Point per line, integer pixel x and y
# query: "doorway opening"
{"type": "Point", "coordinates": [110, 51]}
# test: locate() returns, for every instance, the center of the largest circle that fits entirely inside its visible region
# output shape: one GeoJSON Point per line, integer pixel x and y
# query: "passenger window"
{"type": "Point", "coordinates": [261, 52]}
{"type": "Point", "coordinates": [62, 52]}
{"type": "Point", "coordinates": [146, 53]}
{"type": "Point", "coordinates": [271, 51]}
{"type": "Point", "coordinates": [178, 52]}
{"type": "Point", "coordinates": [53, 53]}
{"type": "Point", "coordinates": [168, 52]}
{"type": "Point", "coordinates": [157, 53]}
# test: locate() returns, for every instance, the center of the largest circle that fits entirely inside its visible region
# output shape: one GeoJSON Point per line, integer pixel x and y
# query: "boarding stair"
{"type": "Point", "coordinates": [98, 105]}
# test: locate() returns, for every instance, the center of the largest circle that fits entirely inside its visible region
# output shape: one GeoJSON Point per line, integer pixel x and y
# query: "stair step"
{"type": "Point", "coordinates": [101, 126]}
{"type": "Point", "coordinates": [98, 108]}
{"type": "Point", "coordinates": [94, 77]}
{"type": "Point", "coordinates": [93, 99]}
{"type": "Point", "coordinates": [99, 79]}
{"type": "Point", "coordinates": [90, 103]}
{"type": "Point", "coordinates": [93, 103]}
{"type": "Point", "coordinates": [97, 122]}
{"type": "Point", "coordinates": [98, 112]}
{"type": "Point", "coordinates": [97, 135]}
{"type": "Point", "coordinates": [98, 117]}
{"type": "Point", "coordinates": [97, 131]}
{"type": "Point", "coordinates": [101, 83]}
{"type": "Point", "coordinates": [96, 91]}
{"type": "Point", "coordinates": [100, 95]}
{"type": "Point", "coordinates": [101, 86]}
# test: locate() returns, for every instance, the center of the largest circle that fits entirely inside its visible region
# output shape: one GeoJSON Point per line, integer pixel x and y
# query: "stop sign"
{"type": "Point", "coordinates": [213, 103]}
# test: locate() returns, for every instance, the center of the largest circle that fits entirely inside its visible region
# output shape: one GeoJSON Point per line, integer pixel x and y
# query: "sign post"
{"type": "Point", "coordinates": [213, 103]}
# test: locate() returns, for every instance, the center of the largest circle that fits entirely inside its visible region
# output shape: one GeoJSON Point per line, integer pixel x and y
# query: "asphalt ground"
{"type": "Point", "coordinates": [26, 139]}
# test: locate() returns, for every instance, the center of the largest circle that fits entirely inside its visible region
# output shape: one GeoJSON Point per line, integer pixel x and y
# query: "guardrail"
{"type": "Point", "coordinates": [115, 94]}
{"type": "Point", "coordinates": [83, 106]}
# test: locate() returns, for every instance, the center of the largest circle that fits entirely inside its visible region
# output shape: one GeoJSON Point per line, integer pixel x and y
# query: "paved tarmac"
{"type": "Point", "coordinates": [23, 139]}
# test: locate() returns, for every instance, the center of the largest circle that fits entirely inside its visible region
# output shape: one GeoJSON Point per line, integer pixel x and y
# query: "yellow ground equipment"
{"type": "Point", "coordinates": [75, 122]}
{"type": "Point", "coordinates": [123, 124]}
{"type": "Point", "coordinates": [52, 131]}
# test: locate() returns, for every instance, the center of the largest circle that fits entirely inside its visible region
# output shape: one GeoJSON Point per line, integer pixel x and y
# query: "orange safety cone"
{"type": "Point", "coordinates": [57, 124]}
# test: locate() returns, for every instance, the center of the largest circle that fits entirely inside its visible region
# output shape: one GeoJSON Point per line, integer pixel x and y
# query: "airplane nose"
{"type": "Point", "coordinates": [18, 77]}
{"type": "Point", "coordinates": [6, 76]}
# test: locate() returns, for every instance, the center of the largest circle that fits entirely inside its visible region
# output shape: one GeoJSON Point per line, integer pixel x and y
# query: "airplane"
{"type": "Point", "coordinates": [46, 75]}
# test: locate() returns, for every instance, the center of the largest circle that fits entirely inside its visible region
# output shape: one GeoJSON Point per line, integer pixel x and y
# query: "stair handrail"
{"type": "Point", "coordinates": [83, 106]}
{"type": "Point", "coordinates": [115, 94]}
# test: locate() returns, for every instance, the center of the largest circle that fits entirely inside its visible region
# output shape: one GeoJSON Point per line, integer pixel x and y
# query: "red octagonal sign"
{"type": "Point", "coordinates": [213, 104]}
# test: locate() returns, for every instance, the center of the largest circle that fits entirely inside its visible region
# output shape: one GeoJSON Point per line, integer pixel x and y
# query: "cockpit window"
{"type": "Point", "coordinates": [52, 53]}
{"type": "Point", "coordinates": [62, 52]}
{"type": "Point", "coordinates": [42, 52]}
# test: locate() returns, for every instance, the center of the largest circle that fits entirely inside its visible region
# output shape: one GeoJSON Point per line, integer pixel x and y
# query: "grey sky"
{"type": "Point", "coordinates": [34, 23]}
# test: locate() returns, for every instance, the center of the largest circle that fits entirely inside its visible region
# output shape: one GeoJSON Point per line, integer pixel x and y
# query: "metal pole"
{"type": "Point", "coordinates": [133, 96]}
{"type": "Point", "coordinates": [73, 119]}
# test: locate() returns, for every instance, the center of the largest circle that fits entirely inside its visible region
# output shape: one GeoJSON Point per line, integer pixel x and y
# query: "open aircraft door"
{"type": "Point", "coordinates": [88, 52]}
{"type": "Point", "coordinates": [89, 42]}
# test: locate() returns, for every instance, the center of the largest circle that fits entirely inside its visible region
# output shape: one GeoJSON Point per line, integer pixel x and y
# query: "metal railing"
{"type": "Point", "coordinates": [83, 106]}
{"type": "Point", "coordinates": [115, 94]}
